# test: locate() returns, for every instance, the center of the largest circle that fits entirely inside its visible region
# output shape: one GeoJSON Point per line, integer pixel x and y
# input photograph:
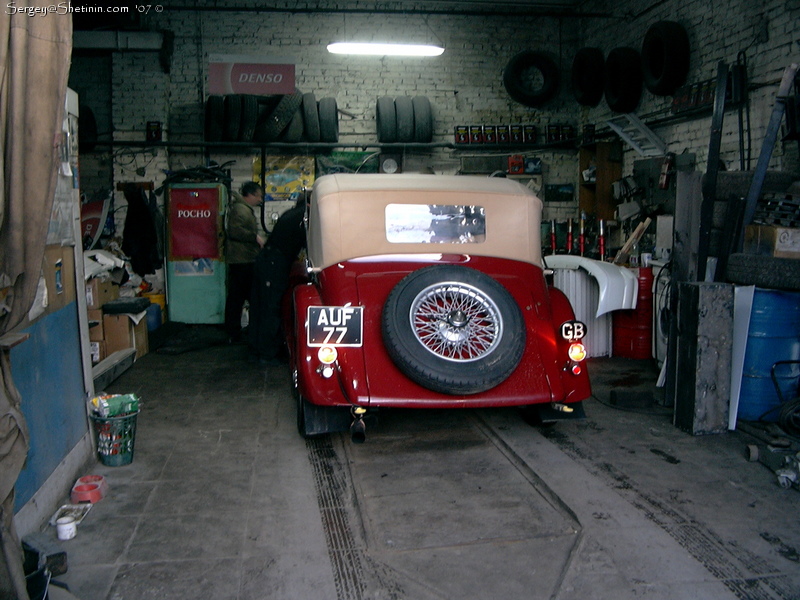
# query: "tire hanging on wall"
{"type": "Point", "coordinates": [665, 57]}
{"type": "Point", "coordinates": [423, 119]}
{"type": "Point", "coordinates": [404, 112]}
{"type": "Point", "coordinates": [588, 76]}
{"type": "Point", "coordinates": [87, 125]}
{"type": "Point", "coordinates": [522, 74]}
{"type": "Point", "coordinates": [328, 120]}
{"type": "Point", "coordinates": [453, 330]}
{"type": "Point", "coordinates": [386, 120]}
{"type": "Point", "coordinates": [623, 88]}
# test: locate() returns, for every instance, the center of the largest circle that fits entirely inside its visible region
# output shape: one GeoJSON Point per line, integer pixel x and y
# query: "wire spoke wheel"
{"type": "Point", "coordinates": [456, 321]}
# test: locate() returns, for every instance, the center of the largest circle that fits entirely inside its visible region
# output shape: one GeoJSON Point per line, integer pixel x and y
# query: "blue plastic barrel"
{"type": "Point", "coordinates": [153, 317]}
{"type": "Point", "coordinates": [774, 336]}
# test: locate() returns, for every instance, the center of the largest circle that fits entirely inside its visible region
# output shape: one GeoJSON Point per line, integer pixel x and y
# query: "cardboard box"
{"type": "Point", "coordinates": [122, 333]}
{"type": "Point", "coordinates": [100, 291]}
{"type": "Point", "coordinates": [770, 240]}
{"type": "Point", "coordinates": [97, 350]}
{"type": "Point", "coordinates": [140, 340]}
{"type": "Point", "coordinates": [96, 332]}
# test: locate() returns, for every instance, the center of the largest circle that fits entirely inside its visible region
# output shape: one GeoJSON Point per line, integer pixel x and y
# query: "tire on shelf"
{"type": "Point", "coordinates": [386, 120]}
{"type": "Point", "coordinates": [665, 57]}
{"type": "Point", "coordinates": [764, 271]}
{"type": "Point", "coordinates": [328, 120]}
{"type": "Point", "coordinates": [279, 119]}
{"type": "Point", "coordinates": [310, 117]}
{"type": "Point", "coordinates": [404, 113]}
{"type": "Point", "coordinates": [588, 76]}
{"type": "Point", "coordinates": [266, 104]}
{"type": "Point", "coordinates": [293, 133]}
{"type": "Point", "coordinates": [453, 330]}
{"type": "Point", "coordinates": [423, 119]}
{"type": "Point", "coordinates": [232, 123]}
{"type": "Point", "coordinates": [623, 88]}
{"type": "Point", "coordinates": [215, 113]}
{"type": "Point", "coordinates": [522, 82]}
{"type": "Point", "coordinates": [249, 118]}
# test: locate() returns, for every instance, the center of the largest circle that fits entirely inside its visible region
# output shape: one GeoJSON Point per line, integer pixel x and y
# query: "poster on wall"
{"type": "Point", "coordinates": [244, 74]}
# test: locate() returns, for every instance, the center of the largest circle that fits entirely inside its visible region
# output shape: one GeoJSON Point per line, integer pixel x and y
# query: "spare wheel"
{"type": "Point", "coordinates": [453, 330]}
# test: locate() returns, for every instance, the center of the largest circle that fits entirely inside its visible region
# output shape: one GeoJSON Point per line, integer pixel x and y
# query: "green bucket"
{"type": "Point", "coordinates": [115, 437]}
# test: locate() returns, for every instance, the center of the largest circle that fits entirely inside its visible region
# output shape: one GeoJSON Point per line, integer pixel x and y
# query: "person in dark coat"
{"type": "Point", "coordinates": [271, 280]}
{"type": "Point", "coordinates": [243, 243]}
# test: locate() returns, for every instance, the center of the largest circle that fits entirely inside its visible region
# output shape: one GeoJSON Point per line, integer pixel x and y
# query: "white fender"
{"type": "Point", "coordinates": [619, 287]}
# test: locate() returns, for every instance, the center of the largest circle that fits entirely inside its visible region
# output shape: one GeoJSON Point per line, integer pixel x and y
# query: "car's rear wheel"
{"type": "Point", "coordinates": [453, 330]}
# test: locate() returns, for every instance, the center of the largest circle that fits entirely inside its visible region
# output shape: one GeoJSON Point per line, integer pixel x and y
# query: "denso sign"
{"type": "Point", "coordinates": [230, 74]}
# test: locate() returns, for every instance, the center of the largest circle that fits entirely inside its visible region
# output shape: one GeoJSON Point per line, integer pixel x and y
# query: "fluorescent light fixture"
{"type": "Point", "coordinates": [379, 49]}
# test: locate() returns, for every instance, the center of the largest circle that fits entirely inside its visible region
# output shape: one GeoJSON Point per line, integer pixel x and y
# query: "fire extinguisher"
{"type": "Point", "coordinates": [667, 169]}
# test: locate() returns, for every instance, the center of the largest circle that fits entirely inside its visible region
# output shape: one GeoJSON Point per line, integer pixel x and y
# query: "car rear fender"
{"type": "Point", "coordinates": [618, 286]}
{"type": "Point", "coordinates": [576, 387]}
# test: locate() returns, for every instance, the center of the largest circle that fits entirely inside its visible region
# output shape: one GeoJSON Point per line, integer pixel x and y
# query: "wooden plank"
{"type": "Point", "coordinates": [110, 368]}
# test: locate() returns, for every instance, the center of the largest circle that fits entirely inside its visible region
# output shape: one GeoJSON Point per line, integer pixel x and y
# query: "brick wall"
{"type": "Point", "coordinates": [464, 85]}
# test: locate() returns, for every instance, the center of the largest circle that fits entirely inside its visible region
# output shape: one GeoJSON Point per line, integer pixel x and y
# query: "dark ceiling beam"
{"type": "Point", "coordinates": [517, 10]}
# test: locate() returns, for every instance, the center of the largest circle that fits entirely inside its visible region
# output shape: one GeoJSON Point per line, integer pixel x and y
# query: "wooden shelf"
{"type": "Point", "coordinates": [596, 198]}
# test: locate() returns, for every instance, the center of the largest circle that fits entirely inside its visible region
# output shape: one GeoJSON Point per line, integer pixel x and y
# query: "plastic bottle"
{"type": "Point", "coordinates": [633, 259]}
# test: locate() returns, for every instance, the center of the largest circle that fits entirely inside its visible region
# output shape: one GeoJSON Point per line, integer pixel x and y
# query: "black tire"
{"type": "Point", "coordinates": [328, 120]}
{"type": "Point", "coordinates": [588, 76]}
{"type": "Point", "coordinates": [623, 88]}
{"type": "Point", "coordinates": [215, 113]}
{"type": "Point", "coordinates": [249, 118]}
{"type": "Point", "coordinates": [467, 334]}
{"type": "Point", "coordinates": [294, 130]}
{"type": "Point", "coordinates": [311, 117]}
{"type": "Point", "coordinates": [386, 120]}
{"type": "Point", "coordinates": [233, 118]}
{"type": "Point", "coordinates": [87, 126]}
{"type": "Point", "coordinates": [266, 104]}
{"type": "Point", "coordinates": [531, 78]}
{"type": "Point", "coordinates": [404, 112]}
{"type": "Point", "coordinates": [423, 119]}
{"type": "Point", "coordinates": [665, 57]}
{"type": "Point", "coordinates": [764, 271]}
{"type": "Point", "coordinates": [281, 116]}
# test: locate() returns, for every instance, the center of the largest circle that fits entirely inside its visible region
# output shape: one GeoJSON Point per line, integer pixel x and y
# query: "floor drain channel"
{"type": "Point", "coordinates": [346, 557]}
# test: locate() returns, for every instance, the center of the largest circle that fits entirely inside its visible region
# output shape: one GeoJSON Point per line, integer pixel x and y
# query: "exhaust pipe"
{"type": "Point", "coordinates": [358, 431]}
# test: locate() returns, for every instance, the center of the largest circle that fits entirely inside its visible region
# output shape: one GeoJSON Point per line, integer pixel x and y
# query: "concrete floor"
{"type": "Point", "coordinates": [224, 500]}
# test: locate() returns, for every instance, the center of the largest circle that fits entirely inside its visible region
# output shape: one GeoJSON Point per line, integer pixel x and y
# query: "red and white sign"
{"type": "Point", "coordinates": [194, 222]}
{"type": "Point", "coordinates": [229, 74]}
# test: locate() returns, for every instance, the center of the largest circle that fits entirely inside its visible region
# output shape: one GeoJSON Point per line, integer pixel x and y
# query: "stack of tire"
{"type": "Point", "coordinates": [290, 118]}
{"type": "Point", "coordinates": [662, 66]}
{"type": "Point", "coordinates": [404, 120]}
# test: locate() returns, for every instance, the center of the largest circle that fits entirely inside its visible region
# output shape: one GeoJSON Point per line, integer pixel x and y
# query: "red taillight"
{"type": "Point", "coordinates": [577, 351]}
{"type": "Point", "coordinates": [576, 369]}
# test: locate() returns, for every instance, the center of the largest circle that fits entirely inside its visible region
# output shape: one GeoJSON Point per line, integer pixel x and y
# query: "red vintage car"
{"type": "Point", "coordinates": [427, 291]}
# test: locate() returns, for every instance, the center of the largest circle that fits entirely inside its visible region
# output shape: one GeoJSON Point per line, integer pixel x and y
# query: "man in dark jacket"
{"type": "Point", "coordinates": [243, 243]}
{"type": "Point", "coordinates": [271, 280]}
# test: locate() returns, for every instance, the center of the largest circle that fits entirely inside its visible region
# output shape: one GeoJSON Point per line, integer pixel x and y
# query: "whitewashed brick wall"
{"type": "Point", "coordinates": [464, 85]}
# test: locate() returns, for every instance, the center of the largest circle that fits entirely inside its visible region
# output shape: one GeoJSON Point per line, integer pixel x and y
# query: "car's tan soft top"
{"type": "Point", "coordinates": [347, 216]}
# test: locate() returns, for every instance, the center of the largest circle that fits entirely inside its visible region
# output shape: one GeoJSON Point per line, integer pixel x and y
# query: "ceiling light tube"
{"type": "Point", "coordinates": [380, 49]}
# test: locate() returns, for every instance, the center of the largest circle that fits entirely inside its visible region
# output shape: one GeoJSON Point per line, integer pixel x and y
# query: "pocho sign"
{"type": "Point", "coordinates": [238, 74]}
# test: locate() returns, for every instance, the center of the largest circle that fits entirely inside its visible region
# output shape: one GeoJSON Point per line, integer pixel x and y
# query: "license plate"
{"type": "Point", "coordinates": [335, 326]}
{"type": "Point", "coordinates": [573, 330]}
